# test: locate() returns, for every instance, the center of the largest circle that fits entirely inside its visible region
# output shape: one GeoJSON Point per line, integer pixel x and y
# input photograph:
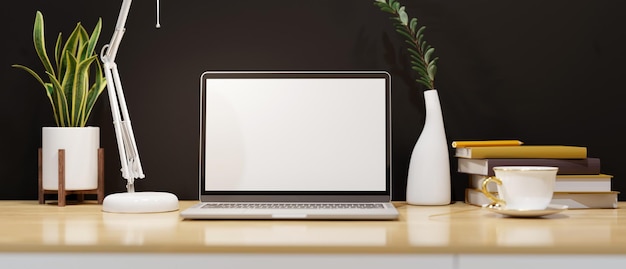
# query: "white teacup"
{"type": "Point", "coordinates": [522, 187]}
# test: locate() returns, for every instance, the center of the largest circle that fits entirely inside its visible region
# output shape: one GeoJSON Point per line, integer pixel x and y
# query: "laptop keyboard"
{"type": "Point", "coordinates": [294, 205]}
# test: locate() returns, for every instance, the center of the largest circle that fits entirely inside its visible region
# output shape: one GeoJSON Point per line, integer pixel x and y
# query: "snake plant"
{"type": "Point", "coordinates": [421, 53]}
{"type": "Point", "coordinates": [67, 85]}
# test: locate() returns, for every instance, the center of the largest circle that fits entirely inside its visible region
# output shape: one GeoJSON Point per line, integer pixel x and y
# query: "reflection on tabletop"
{"type": "Point", "coordinates": [25, 225]}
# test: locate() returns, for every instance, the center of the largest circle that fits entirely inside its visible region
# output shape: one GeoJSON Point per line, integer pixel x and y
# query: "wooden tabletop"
{"type": "Point", "coordinates": [26, 226]}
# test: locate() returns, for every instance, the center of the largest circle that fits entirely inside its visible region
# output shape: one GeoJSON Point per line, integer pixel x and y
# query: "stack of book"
{"type": "Point", "coordinates": [579, 182]}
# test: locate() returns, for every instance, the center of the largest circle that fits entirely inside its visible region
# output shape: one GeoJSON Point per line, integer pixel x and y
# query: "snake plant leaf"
{"type": "Point", "coordinates": [82, 43]}
{"type": "Point", "coordinates": [84, 36]}
{"type": "Point", "coordinates": [70, 72]}
{"type": "Point", "coordinates": [96, 89]}
{"type": "Point", "coordinates": [82, 48]}
{"type": "Point", "coordinates": [93, 40]}
{"type": "Point", "coordinates": [69, 90]}
{"type": "Point", "coordinates": [40, 42]}
{"type": "Point", "coordinates": [71, 45]}
{"type": "Point", "coordinates": [60, 101]}
{"type": "Point", "coordinates": [57, 52]}
{"type": "Point", "coordinates": [69, 81]}
{"type": "Point", "coordinates": [49, 91]}
{"type": "Point", "coordinates": [81, 87]}
{"type": "Point", "coordinates": [75, 86]}
{"type": "Point", "coordinates": [30, 71]}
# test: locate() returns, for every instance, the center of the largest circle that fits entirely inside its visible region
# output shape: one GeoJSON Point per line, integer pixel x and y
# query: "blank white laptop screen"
{"type": "Point", "coordinates": [294, 145]}
{"type": "Point", "coordinates": [295, 134]}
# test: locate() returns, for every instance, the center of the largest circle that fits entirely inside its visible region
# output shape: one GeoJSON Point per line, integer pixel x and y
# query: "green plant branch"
{"type": "Point", "coordinates": [420, 52]}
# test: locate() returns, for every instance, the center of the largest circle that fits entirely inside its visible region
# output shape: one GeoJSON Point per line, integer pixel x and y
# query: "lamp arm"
{"type": "Point", "coordinates": [129, 156]}
{"type": "Point", "coordinates": [116, 39]}
{"type": "Point", "coordinates": [128, 202]}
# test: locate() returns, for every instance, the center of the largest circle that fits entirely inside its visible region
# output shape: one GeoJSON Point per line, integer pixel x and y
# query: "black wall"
{"type": "Point", "coordinates": [544, 72]}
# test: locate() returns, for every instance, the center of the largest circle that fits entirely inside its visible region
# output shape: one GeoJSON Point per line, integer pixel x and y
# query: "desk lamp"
{"type": "Point", "coordinates": [130, 201]}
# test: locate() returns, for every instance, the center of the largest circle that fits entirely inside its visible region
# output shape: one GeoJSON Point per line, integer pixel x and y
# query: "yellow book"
{"type": "Point", "coordinates": [486, 143]}
{"type": "Point", "coordinates": [532, 151]}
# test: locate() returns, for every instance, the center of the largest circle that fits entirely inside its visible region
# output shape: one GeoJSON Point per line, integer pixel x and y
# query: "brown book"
{"type": "Point", "coordinates": [534, 151]}
{"type": "Point", "coordinates": [574, 200]}
{"type": "Point", "coordinates": [586, 166]}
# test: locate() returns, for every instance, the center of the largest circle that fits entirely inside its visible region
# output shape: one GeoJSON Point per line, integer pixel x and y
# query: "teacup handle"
{"type": "Point", "coordinates": [493, 198]}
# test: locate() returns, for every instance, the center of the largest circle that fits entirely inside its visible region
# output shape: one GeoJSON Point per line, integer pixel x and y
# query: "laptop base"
{"type": "Point", "coordinates": [388, 212]}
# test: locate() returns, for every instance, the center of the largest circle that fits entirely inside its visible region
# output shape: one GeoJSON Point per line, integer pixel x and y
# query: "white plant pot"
{"type": "Point", "coordinates": [81, 157]}
{"type": "Point", "coordinates": [428, 181]}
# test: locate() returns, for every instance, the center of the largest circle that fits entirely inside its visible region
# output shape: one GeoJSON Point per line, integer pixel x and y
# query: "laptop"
{"type": "Point", "coordinates": [294, 145]}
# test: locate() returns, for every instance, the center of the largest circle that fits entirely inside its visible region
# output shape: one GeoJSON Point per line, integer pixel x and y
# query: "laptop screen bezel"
{"type": "Point", "coordinates": [295, 196]}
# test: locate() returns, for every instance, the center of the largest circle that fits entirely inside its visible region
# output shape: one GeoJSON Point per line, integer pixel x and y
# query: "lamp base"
{"type": "Point", "coordinates": [140, 202]}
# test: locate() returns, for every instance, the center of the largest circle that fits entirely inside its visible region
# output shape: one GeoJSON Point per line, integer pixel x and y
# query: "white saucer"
{"type": "Point", "coordinates": [551, 209]}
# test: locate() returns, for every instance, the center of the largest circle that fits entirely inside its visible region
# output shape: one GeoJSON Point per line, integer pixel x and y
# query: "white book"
{"type": "Point", "coordinates": [564, 183]}
{"type": "Point", "coordinates": [573, 200]}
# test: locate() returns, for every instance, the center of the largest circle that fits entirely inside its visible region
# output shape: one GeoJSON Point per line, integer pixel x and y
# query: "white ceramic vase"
{"type": "Point", "coordinates": [428, 181]}
{"type": "Point", "coordinates": [81, 157]}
